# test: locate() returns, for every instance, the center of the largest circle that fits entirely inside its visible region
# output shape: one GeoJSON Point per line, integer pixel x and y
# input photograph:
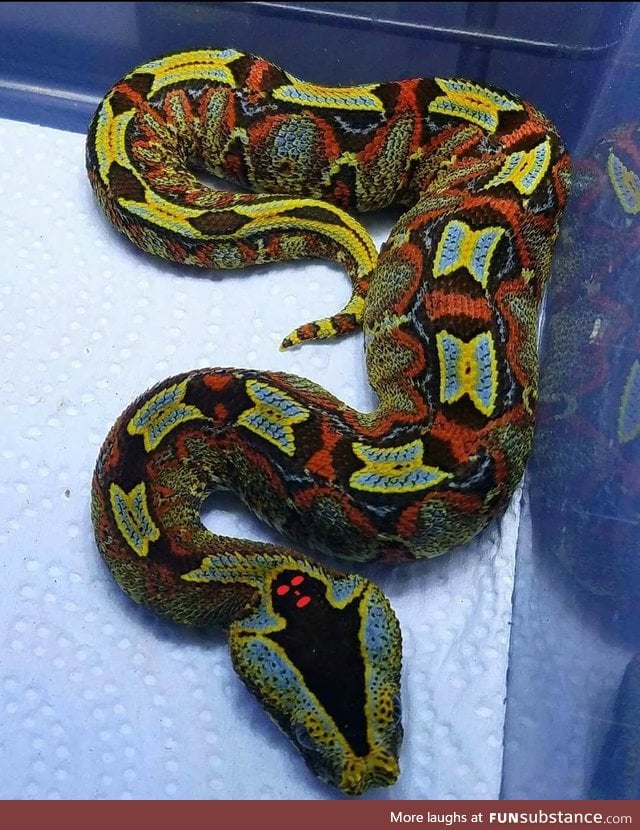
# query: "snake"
{"type": "Point", "coordinates": [449, 311]}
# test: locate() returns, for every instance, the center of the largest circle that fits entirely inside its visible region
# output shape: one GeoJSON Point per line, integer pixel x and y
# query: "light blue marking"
{"type": "Point", "coordinates": [451, 351]}
{"type": "Point", "coordinates": [412, 478]}
{"type": "Point", "coordinates": [268, 662]}
{"type": "Point", "coordinates": [267, 427]}
{"type": "Point", "coordinates": [461, 111]}
{"type": "Point", "coordinates": [478, 265]}
{"type": "Point", "coordinates": [530, 177]}
{"type": "Point", "coordinates": [344, 590]}
{"type": "Point", "coordinates": [294, 139]}
{"type": "Point", "coordinates": [451, 246]}
{"type": "Point", "coordinates": [376, 635]}
{"type": "Point", "coordinates": [286, 406]}
{"type": "Point", "coordinates": [397, 455]}
{"type": "Point", "coordinates": [126, 518]}
{"type": "Point", "coordinates": [340, 102]}
{"type": "Point", "coordinates": [484, 385]}
{"type": "Point", "coordinates": [226, 53]}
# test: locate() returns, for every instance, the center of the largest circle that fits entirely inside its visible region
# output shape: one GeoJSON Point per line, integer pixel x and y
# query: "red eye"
{"type": "Point", "coordinates": [281, 590]}
{"type": "Point", "coordinates": [297, 580]}
{"type": "Point", "coordinates": [303, 601]}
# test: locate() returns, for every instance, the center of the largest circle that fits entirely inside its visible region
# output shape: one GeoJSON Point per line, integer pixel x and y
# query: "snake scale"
{"type": "Point", "coordinates": [449, 311]}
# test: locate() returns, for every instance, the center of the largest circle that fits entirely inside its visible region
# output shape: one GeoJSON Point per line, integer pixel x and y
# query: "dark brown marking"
{"type": "Point", "coordinates": [124, 184]}
{"type": "Point", "coordinates": [220, 222]}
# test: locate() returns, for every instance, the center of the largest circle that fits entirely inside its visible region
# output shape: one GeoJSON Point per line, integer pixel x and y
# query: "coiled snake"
{"type": "Point", "coordinates": [449, 312]}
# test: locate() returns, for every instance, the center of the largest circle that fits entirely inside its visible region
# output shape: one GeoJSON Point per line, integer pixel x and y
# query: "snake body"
{"type": "Point", "coordinates": [449, 312]}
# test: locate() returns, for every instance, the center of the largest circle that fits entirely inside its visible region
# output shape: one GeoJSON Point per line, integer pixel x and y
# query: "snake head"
{"type": "Point", "coordinates": [322, 655]}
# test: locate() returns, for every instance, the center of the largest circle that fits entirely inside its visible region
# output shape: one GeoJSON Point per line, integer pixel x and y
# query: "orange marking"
{"type": "Point", "coordinates": [321, 462]}
{"type": "Point", "coordinates": [220, 413]}
{"type": "Point", "coordinates": [462, 440]}
{"type": "Point", "coordinates": [255, 79]}
{"type": "Point", "coordinates": [440, 304]}
{"type": "Point", "coordinates": [341, 195]}
{"type": "Point", "coordinates": [217, 381]}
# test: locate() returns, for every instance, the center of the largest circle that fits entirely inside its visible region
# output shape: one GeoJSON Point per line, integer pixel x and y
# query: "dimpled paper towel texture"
{"type": "Point", "coordinates": [101, 698]}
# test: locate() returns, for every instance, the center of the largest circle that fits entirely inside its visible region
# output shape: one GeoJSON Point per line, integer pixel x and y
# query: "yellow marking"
{"type": "Point", "coordinates": [166, 214]}
{"type": "Point", "coordinates": [273, 415]}
{"type": "Point", "coordinates": [394, 469]}
{"type": "Point", "coordinates": [132, 517]}
{"type": "Point", "coordinates": [524, 170]}
{"type": "Point", "coordinates": [356, 306]}
{"type": "Point", "coordinates": [326, 329]}
{"type": "Point", "coordinates": [468, 369]}
{"type": "Point", "coordinates": [162, 413]}
{"type": "Point", "coordinates": [461, 247]}
{"type": "Point", "coordinates": [471, 102]}
{"type": "Point", "coordinates": [272, 208]}
{"type": "Point", "coordinates": [358, 245]}
{"type": "Point", "coordinates": [360, 98]}
{"type": "Point", "coordinates": [347, 159]}
{"type": "Point", "coordinates": [202, 64]}
{"type": "Point", "coordinates": [389, 323]}
{"type": "Point", "coordinates": [236, 567]}
{"type": "Point", "coordinates": [110, 143]}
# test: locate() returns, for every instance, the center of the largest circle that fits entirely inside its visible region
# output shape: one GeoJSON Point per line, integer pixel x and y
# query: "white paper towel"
{"type": "Point", "coordinates": [100, 698]}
